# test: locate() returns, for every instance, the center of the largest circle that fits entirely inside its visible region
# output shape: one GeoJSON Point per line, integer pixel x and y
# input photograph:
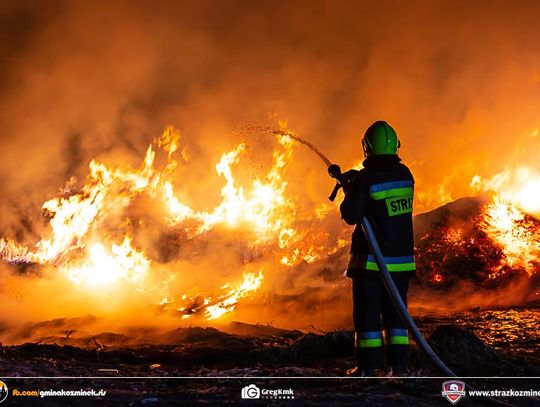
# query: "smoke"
{"type": "Point", "coordinates": [80, 80]}
{"type": "Point", "coordinates": [458, 81]}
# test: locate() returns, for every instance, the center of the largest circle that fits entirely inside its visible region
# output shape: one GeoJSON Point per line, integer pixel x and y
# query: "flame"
{"type": "Point", "coordinates": [520, 187]}
{"type": "Point", "coordinates": [222, 303]}
{"type": "Point", "coordinates": [249, 284]}
{"type": "Point", "coordinates": [90, 240]}
{"type": "Point", "coordinates": [506, 220]}
{"type": "Point", "coordinates": [516, 234]}
{"type": "Point", "coordinates": [501, 241]}
{"type": "Point", "coordinates": [265, 207]}
{"type": "Point", "coordinates": [121, 263]}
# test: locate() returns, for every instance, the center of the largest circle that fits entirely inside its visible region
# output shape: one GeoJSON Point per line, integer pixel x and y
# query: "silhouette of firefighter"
{"type": "Point", "coordinates": [383, 192]}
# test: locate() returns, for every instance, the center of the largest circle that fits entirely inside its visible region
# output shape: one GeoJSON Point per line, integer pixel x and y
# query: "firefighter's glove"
{"type": "Point", "coordinates": [334, 171]}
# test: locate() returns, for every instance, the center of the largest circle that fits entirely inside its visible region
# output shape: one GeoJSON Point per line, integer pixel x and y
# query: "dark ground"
{"type": "Point", "coordinates": [477, 343]}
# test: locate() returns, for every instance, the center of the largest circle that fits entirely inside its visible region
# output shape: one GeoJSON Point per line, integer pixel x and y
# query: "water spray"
{"type": "Point", "coordinates": [266, 129]}
{"type": "Point", "coordinates": [333, 169]}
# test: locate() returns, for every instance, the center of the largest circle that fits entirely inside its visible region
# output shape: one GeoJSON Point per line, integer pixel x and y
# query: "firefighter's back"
{"type": "Point", "coordinates": [388, 190]}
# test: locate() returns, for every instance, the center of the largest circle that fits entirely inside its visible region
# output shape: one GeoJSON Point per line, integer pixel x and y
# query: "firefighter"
{"type": "Point", "coordinates": [383, 192]}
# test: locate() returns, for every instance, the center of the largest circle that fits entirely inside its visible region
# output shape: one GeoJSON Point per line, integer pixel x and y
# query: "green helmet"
{"type": "Point", "coordinates": [380, 138]}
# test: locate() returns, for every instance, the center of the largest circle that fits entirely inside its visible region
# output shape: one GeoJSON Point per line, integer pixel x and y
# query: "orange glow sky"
{"type": "Point", "coordinates": [459, 81]}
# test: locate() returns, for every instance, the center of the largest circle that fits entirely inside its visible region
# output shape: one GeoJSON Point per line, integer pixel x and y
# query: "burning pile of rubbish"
{"type": "Point", "coordinates": [477, 239]}
{"type": "Point", "coordinates": [133, 230]}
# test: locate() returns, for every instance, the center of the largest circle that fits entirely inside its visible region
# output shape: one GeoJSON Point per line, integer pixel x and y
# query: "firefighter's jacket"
{"type": "Point", "coordinates": [383, 192]}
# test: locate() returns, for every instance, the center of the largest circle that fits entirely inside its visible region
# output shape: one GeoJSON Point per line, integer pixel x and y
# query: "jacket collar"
{"type": "Point", "coordinates": [381, 161]}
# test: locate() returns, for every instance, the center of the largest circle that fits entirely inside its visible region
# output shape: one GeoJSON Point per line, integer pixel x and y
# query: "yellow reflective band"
{"type": "Point", "coordinates": [371, 265]}
{"type": "Point", "coordinates": [391, 193]}
{"type": "Point", "coordinates": [369, 343]}
{"type": "Point", "coordinates": [399, 340]}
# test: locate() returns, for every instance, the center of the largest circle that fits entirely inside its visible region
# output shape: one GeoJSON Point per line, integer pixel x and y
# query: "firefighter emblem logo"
{"type": "Point", "coordinates": [3, 391]}
{"type": "Point", "coordinates": [453, 390]}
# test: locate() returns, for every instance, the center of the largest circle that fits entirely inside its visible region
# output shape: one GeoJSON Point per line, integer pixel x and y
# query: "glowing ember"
{"type": "Point", "coordinates": [438, 278]}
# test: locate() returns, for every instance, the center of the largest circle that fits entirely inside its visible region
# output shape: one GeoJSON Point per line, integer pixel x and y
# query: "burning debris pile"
{"type": "Point", "coordinates": [133, 236]}
{"type": "Point", "coordinates": [483, 240]}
